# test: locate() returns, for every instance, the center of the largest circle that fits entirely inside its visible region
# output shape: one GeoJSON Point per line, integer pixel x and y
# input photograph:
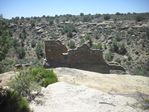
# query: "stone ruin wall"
{"type": "Point", "coordinates": [54, 53]}
{"type": "Point", "coordinates": [82, 57]}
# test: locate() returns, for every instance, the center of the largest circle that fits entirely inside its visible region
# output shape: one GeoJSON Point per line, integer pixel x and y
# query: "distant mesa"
{"type": "Point", "coordinates": [83, 57]}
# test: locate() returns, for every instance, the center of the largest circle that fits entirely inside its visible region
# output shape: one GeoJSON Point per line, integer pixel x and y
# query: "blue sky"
{"type": "Point", "coordinates": [28, 8]}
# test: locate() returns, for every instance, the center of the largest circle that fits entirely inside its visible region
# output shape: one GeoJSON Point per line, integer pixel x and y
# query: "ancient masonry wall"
{"type": "Point", "coordinates": [83, 57]}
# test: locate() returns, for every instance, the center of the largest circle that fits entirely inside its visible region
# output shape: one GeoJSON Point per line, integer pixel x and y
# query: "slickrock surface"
{"type": "Point", "coordinates": [113, 83]}
{"type": "Point", "coordinates": [83, 91]}
{"type": "Point", "coordinates": [64, 97]}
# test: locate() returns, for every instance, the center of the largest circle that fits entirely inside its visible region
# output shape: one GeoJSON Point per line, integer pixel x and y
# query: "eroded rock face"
{"type": "Point", "coordinates": [82, 58]}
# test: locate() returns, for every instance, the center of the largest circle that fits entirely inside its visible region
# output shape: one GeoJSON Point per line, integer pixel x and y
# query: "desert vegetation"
{"type": "Point", "coordinates": [12, 101]}
{"type": "Point", "coordinates": [24, 87]}
{"type": "Point", "coordinates": [32, 79]}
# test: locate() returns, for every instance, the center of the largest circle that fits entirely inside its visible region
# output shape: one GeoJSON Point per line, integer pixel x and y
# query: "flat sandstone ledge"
{"type": "Point", "coordinates": [111, 83]}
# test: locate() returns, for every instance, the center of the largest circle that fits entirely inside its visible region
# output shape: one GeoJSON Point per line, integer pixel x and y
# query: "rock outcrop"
{"type": "Point", "coordinates": [83, 91]}
{"type": "Point", "coordinates": [66, 97]}
{"type": "Point", "coordinates": [109, 83]}
{"type": "Point", "coordinates": [83, 57]}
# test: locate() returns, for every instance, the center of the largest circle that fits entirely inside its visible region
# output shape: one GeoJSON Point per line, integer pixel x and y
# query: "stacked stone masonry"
{"type": "Point", "coordinates": [83, 57]}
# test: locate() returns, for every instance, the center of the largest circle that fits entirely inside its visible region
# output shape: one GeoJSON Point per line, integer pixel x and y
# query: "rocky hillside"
{"type": "Point", "coordinates": [123, 38]}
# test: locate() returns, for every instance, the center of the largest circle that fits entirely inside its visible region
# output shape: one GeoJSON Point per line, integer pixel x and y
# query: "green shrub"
{"type": "Point", "coordinates": [69, 29]}
{"type": "Point", "coordinates": [87, 18]}
{"type": "Point", "coordinates": [69, 34]}
{"type": "Point", "coordinates": [147, 33]}
{"type": "Point", "coordinates": [43, 77]}
{"type": "Point", "coordinates": [51, 22]}
{"type": "Point", "coordinates": [118, 60]}
{"type": "Point", "coordinates": [114, 46]}
{"type": "Point", "coordinates": [71, 44]}
{"type": "Point", "coordinates": [128, 63]}
{"type": "Point", "coordinates": [36, 62]}
{"type": "Point", "coordinates": [33, 43]}
{"type": "Point", "coordinates": [139, 18]}
{"type": "Point", "coordinates": [21, 52]}
{"type": "Point", "coordinates": [31, 79]}
{"type": "Point", "coordinates": [118, 13]}
{"type": "Point", "coordinates": [118, 38]}
{"type": "Point", "coordinates": [81, 14]}
{"type": "Point", "coordinates": [24, 84]}
{"type": "Point", "coordinates": [6, 65]}
{"type": "Point", "coordinates": [118, 47]}
{"type": "Point", "coordinates": [89, 39]}
{"type": "Point", "coordinates": [5, 39]}
{"type": "Point", "coordinates": [97, 35]}
{"type": "Point", "coordinates": [145, 104]}
{"type": "Point", "coordinates": [121, 49]}
{"type": "Point", "coordinates": [23, 34]}
{"type": "Point", "coordinates": [97, 46]}
{"type": "Point", "coordinates": [141, 70]}
{"type": "Point", "coordinates": [107, 17]}
{"type": "Point", "coordinates": [32, 22]}
{"type": "Point", "coordinates": [39, 50]}
{"type": "Point", "coordinates": [15, 43]}
{"type": "Point", "coordinates": [11, 101]}
{"type": "Point", "coordinates": [109, 56]}
{"type": "Point", "coordinates": [82, 41]}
